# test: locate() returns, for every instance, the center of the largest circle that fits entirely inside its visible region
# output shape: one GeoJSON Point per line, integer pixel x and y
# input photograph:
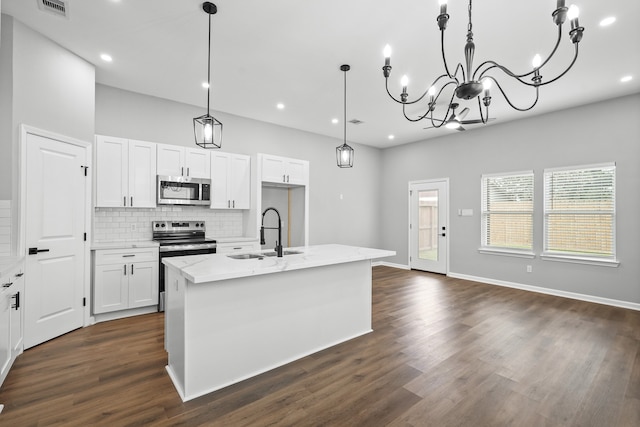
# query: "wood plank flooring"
{"type": "Point", "coordinates": [444, 352]}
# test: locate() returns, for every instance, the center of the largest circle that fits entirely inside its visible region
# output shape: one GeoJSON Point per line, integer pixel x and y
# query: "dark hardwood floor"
{"type": "Point", "coordinates": [444, 352]}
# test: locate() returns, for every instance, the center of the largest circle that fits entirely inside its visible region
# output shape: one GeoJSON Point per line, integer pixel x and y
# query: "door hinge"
{"type": "Point", "coordinates": [410, 227]}
{"type": "Point", "coordinates": [410, 259]}
{"type": "Point", "coordinates": [85, 237]}
{"type": "Point", "coordinates": [84, 302]}
{"type": "Point", "coordinates": [411, 192]}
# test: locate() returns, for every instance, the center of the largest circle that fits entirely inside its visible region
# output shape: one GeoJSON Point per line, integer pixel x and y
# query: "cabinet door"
{"type": "Point", "coordinates": [273, 169]}
{"type": "Point", "coordinates": [220, 169]}
{"type": "Point", "coordinates": [5, 337]}
{"type": "Point", "coordinates": [110, 291]}
{"type": "Point", "coordinates": [143, 284]}
{"type": "Point", "coordinates": [296, 171]}
{"type": "Point", "coordinates": [17, 301]}
{"type": "Point", "coordinates": [111, 171]}
{"type": "Point", "coordinates": [170, 160]}
{"type": "Point", "coordinates": [240, 182]}
{"type": "Point", "coordinates": [197, 163]}
{"type": "Point", "coordinates": [142, 174]}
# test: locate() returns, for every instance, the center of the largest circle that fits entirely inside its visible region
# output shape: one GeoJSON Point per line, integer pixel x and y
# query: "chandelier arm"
{"type": "Point", "coordinates": [386, 85]}
{"type": "Point", "coordinates": [444, 59]}
{"type": "Point", "coordinates": [512, 74]}
{"type": "Point", "coordinates": [511, 104]}
{"type": "Point", "coordinates": [483, 118]}
{"type": "Point", "coordinates": [423, 116]}
{"type": "Point", "coordinates": [575, 57]}
{"type": "Point", "coordinates": [444, 121]}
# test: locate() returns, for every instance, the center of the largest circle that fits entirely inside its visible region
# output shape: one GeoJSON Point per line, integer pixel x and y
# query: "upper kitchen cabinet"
{"type": "Point", "coordinates": [125, 173]}
{"type": "Point", "coordinates": [283, 170]}
{"type": "Point", "coordinates": [182, 161]}
{"type": "Point", "coordinates": [230, 181]}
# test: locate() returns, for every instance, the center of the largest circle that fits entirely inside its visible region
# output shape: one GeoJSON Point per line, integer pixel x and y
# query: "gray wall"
{"type": "Point", "coordinates": [49, 88]}
{"type": "Point", "coordinates": [595, 133]}
{"type": "Point", "coordinates": [352, 220]}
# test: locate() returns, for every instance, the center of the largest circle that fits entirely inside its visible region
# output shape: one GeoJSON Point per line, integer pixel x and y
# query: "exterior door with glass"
{"type": "Point", "coordinates": [428, 225]}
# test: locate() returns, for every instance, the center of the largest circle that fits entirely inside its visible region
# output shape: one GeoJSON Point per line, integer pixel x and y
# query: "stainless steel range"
{"type": "Point", "coordinates": [180, 238]}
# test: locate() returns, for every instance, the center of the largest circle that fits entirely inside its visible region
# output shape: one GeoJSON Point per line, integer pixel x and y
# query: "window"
{"type": "Point", "coordinates": [507, 211]}
{"type": "Point", "coordinates": [579, 211]}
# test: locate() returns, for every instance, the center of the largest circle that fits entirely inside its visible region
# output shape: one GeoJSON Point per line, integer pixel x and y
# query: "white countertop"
{"type": "Point", "coordinates": [8, 263]}
{"type": "Point", "coordinates": [215, 267]}
{"type": "Point", "coordinates": [125, 245]}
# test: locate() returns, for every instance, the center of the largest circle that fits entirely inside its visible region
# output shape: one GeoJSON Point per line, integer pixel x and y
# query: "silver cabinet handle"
{"type": "Point", "coordinates": [132, 269]}
{"type": "Point", "coordinates": [284, 178]}
{"type": "Point", "coordinates": [182, 171]}
{"type": "Point", "coordinates": [124, 200]}
{"type": "Point", "coordinates": [131, 201]}
{"type": "Point", "coordinates": [234, 203]}
{"type": "Point", "coordinates": [128, 256]}
{"type": "Point", "coordinates": [125, 269]}
{"type": "Point", "coordinates": [187, 171]}
{"type": "Point", "coordinates": [6, 285]}
{"type": "Point", "coordinates": [228, 203]}
{"type": "Point", "coordinates": [287, 178]}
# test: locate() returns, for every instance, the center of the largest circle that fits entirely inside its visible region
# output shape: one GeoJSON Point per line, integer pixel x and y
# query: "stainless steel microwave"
{"type": "Point", "coordinates": [181, 190]}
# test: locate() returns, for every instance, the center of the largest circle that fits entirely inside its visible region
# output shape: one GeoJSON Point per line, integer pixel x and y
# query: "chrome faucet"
{"type": "Point", "coordinates": [278, 247]}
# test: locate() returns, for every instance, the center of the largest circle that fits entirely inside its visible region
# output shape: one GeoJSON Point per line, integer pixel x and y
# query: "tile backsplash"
{"type": "Point", "coordinates": [131, 224]}
{"type": "Point", "coordinates": [5, 227]}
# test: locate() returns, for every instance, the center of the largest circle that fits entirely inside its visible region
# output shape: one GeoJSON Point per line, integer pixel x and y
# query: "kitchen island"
{"type": "Point", "coordinates": [231, 318]}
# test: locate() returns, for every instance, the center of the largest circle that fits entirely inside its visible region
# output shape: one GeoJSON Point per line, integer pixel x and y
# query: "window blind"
{"type": "Point", "coordinates": [579, 211]}
{"type": "Point", "coordinates": [507, 211]}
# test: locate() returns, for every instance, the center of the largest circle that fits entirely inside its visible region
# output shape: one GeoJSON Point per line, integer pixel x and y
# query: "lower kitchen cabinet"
{"type": "Point", "coordinates": [11, 332]}
{"type": "Point", "coordinates": [125, 279]}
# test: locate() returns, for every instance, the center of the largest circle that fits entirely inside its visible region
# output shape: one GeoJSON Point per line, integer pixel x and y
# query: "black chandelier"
{"type": "Point", "coordinates": [206, 128]}
{"type": "Point", "coordinates": [469, 83]}
{"type": "Point", "coordinates": [344, 153]}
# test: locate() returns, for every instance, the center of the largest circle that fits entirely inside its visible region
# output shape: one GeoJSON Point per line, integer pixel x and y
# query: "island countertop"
{"type": "Point", "coordinates": [216, 267]}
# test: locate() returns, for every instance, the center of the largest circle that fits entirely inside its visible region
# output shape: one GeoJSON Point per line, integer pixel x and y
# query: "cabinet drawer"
{"type": "Point", "coordinates": [119, 256]}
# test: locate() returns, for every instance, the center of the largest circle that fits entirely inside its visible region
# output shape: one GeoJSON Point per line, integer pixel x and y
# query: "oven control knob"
{"type": "Point", "coordinates": [202, 225]}
{"type": "Point", "coordinates": [197, 225]}
{"type": "Point", "coordinates": [162, 225]}
{"type": "Point", "coordinates": [157, 225]}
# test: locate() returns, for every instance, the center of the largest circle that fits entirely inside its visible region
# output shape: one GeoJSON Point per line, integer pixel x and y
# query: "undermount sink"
{"type": "Point", "coordinates": [262, 255]}
{"type": "Point", "coordinates": [246, 256]}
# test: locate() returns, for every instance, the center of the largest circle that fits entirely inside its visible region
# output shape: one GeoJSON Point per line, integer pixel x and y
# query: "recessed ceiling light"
{"type": "Point", "coordinates": [205, 85]}
{"type": "Point", "coordinates": [106, 58]}
{"type": "Point", "coordinates": [607, 21]}
{"type": "Point", "coordinates": [334, 121]}
{"type": "Point", "coordinates": [626, 79]}
{"type": "Point", "coordinates": [391, 136]}
{"type": "Point", "coordinates": [280, 106]}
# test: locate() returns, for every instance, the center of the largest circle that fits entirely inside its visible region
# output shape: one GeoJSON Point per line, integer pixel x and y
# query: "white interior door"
{"type": "Point", "coordinates": [428, 228]}
{"type": "Point", "coordinates": [56, 195]}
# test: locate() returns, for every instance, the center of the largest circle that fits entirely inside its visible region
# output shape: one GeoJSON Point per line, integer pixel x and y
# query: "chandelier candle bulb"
{"type": "Point", "coordinates": [537, 60]}
{"type": "Point", "coordinates": [387, 61]}
{"type": "Point", "coordinates": [443, 7]}
{"type": "Point", "coordinates": [573, 14]}
{"type": "Point", "coordinates": [404, 82]}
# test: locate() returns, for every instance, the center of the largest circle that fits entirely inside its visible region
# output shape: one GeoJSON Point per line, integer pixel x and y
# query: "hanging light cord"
{"type": "Point", "coordinates": [209, 67]}
{"type": "Point", "coordinates": [345, 107]}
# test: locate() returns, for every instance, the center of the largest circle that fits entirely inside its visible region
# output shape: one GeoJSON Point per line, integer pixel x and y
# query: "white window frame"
{"type": "Point", "coordinates": [500, 250]}
{"type": "Point", "coordinates": [593, 259]}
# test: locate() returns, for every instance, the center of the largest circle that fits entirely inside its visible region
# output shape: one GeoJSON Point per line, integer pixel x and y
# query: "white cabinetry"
{"type": "Point", "coordinates": [182, 161]}
{"type": "Point", "coordinates": [11, 333]}
{"type": "Point", "coordinates": [284, 170]}
{"type": "Point", "coordinates": [125, 173]}
{"type": "Point", "coordinates": [237, 247]}
{"type": "Point", "coordinates": [125, 279]}
{"type": "Point", "coordinates": [230, 181]}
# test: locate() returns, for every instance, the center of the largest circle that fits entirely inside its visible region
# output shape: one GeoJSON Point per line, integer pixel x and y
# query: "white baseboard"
{"type": "Point", "coordinates": [390, 264]}
{"type": "Point", "coordinates": [548, 291]}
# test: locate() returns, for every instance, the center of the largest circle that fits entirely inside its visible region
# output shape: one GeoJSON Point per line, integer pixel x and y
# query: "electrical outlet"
{"type": "Point", "coordinates": [529, 269]}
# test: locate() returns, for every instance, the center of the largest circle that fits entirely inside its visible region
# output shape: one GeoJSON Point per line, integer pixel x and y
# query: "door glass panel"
{"type": "Point", "coordinates": [428, 225]}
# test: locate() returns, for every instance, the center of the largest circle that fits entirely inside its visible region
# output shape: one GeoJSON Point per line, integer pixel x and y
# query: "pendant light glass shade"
{"type": "Point", "coordinates": [207, 130]}
{"type": "Point", "coordinates": [344, 153]}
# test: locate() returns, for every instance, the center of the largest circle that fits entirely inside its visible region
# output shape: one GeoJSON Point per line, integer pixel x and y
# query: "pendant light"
{"type": "Point", "coordinates": [206, 128]}
{"type": "Point", "coordinates": [344, 153]}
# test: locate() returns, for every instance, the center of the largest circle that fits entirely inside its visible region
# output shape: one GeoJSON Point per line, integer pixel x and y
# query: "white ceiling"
{"type": "Point", "coordinates": [290, 51]}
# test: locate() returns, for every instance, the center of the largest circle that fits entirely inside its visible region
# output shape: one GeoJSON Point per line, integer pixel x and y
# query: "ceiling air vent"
{"type": "Point", "coordinates": [356, 121]}
{"type": "Point", "coordinates": [56, 7]}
